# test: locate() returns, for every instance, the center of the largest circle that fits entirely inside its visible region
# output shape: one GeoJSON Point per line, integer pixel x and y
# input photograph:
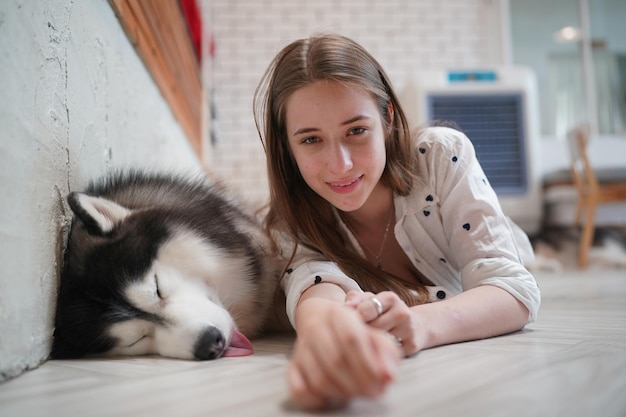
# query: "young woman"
{"type": "Point", "coordinates": [399, 242]}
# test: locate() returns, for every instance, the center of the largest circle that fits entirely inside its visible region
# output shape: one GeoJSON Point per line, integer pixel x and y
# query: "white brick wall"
{"type": "Point", "coordinates": [402, 34]}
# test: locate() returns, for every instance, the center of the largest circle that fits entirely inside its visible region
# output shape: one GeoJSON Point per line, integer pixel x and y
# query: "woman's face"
{"type": "Point", "coordinates": [336, 136]}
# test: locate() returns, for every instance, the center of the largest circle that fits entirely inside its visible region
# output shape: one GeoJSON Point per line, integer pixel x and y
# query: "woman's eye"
{"type": "Point", "coordinates": [156, 284]}
{"type": "Point", "coordinates": [309, 140]}
{"type": "Point", "coordinates": [356, 130]}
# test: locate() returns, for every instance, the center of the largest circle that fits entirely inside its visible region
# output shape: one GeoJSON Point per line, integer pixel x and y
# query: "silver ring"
{"type": "Point", "coordinates": [378, 305]}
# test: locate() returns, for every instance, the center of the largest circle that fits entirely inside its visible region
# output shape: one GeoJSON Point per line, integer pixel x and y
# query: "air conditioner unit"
{"type": "Point", "coordinates": [498, 110]}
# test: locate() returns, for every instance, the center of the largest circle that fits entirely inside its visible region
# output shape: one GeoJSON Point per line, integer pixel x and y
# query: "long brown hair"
{"type": "Point", "coordinates": [294, 207]}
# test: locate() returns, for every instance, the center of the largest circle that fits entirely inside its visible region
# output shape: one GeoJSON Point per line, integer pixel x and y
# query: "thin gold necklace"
{"type": "Point", "coordinates": [378, 257]}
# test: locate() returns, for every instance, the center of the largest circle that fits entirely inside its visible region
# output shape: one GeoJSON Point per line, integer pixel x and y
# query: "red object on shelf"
{"type": "Point", "coordinates": [193, 18]}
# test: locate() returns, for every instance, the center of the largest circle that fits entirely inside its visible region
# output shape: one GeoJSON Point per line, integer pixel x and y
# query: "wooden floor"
{"type": "Point", "coordinates": [571, 362]}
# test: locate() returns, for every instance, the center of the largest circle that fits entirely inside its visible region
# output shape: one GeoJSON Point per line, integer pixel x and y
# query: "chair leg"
{"type": "Point", "coordinates": [579, 212]}
{"type": "Point", "coordinates": [586, 238]}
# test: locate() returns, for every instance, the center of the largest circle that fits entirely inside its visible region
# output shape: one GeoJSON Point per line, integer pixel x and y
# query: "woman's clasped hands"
{"type": "Point", "coordinates": [350, 350]}
{"type": "Point", "coordinates": [386, 311]}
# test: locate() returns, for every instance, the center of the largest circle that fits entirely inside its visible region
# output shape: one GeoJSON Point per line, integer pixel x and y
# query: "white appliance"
{"type": "Point", "coordinates": [498, 110]}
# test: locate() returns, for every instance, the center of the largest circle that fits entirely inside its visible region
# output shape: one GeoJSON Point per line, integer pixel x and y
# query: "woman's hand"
{"type": "Point", "coordinates": [337, 356]}
{"type": "Point", "coordinates": [391, 315]}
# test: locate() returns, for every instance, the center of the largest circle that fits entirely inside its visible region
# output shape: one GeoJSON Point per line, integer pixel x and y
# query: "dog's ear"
{"type": "Point", "coordinates": [99, 215]}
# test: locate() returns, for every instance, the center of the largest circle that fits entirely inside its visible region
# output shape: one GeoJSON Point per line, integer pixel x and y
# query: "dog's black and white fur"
{"type": "Point", "coordinates": [162, 264]}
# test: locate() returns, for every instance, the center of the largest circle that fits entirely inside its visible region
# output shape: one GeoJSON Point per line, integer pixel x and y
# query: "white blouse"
{"type": "Point", "coordinates": [450, 226]}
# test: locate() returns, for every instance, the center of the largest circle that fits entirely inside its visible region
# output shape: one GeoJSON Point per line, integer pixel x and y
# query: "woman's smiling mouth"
{"type": "Point", "coordinates": [345, 186]}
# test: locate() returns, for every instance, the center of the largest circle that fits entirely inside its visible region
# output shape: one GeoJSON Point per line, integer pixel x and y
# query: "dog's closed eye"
{"type": "Point", "coordinates": [137, 341]}
{"type": "Point", "coordinates": [156, 284]}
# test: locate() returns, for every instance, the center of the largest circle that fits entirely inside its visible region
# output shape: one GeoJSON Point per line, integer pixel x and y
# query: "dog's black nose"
{"type": "Point", "coordinates": [210, 344]}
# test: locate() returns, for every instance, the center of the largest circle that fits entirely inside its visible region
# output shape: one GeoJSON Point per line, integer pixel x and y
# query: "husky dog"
{"type": "Point", "coordinates": [162, 264]}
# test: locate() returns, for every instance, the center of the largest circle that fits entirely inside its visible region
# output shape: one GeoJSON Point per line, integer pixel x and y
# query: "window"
{"type": "Point", "coordinates": [578, 50]}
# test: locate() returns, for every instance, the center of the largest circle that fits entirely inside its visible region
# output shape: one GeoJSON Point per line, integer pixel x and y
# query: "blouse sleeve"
{"type": "Point", "coordinates": [481, 238]}
{"type": "Point", "coordinates": [306, 270]}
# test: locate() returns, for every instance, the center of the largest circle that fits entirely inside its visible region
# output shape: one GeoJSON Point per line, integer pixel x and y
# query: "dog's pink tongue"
{"type": "Point", "coordinates": [239, 345]}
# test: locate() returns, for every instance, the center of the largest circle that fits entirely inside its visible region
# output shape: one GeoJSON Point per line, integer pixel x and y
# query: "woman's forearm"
{"type": "Point", "coordinates": [321, 293]}
{"type": "Point", "coordinates": [479, 313]}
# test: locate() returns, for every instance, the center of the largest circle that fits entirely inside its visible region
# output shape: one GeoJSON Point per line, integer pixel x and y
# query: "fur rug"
{"type": "Point", "coordinates": [556, 249]}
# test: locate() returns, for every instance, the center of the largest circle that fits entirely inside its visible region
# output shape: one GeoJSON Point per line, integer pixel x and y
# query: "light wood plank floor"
{"type": "Point", "coordinates": [571, 362]}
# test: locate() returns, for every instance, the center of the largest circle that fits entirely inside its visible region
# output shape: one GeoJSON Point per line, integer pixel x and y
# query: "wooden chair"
{"type": "Point", "coordinates": [591, 192]}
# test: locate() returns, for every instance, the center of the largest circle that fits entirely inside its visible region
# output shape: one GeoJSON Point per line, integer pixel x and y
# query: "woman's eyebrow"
{"type": "Point", "coordinates": [347, 122]}
{"type": "Point", "coordinates": [305, 130]}
{"type": "Point", "coordinates": [355, 119]}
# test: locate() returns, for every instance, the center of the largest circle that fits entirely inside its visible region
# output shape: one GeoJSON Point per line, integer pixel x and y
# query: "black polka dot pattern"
{"type": "Point", "coordinates": [441, 294]}
{"type": "Point", "coordinates": [290, 270]}
{"type": "Point", "coordinates": [427, 211]}
{"type": "Point", "coordinates": [318, 279]}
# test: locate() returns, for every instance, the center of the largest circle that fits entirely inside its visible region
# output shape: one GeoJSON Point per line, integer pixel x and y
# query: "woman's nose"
{"type": "Point", "coordinates": [339, 159]}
